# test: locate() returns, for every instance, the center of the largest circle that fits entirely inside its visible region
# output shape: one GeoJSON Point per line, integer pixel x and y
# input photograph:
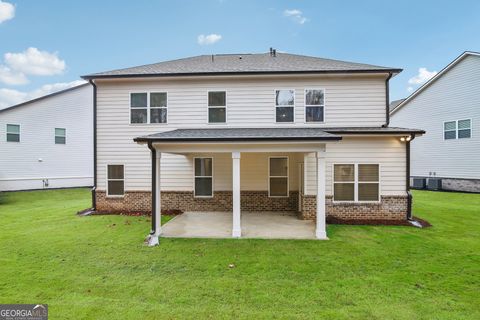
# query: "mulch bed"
{"type": "Point", "coordinates": [378, 222]}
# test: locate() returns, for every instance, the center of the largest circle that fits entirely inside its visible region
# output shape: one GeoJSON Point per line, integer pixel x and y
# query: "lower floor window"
{"type": "Point", "coordinates": [115, 180]}
{"type": "Point", "coordinates": [356, 182]}
{"type": "Point", "coordinates": [278, 177]}
{"type": "Point", "coordinates": [203, 177]}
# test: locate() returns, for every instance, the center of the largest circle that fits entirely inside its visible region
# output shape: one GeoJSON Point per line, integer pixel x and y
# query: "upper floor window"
{"type": "Point", "coordinates": [458, 129]}
{"type": "Point", "coordinates": [60, 136]}
{"type": "Point", "coordinates": [148, 107]}
{"type": "Point", "coordinates": [356, 182]}
{"type": "Point", "coordinates": [217, 107]}
{"type": "Point", "coordinates": [284, 105]}
{"type": "Point", "coordinates": [13, 133]}
{"type": "Point", "coordinates": [314, 105]}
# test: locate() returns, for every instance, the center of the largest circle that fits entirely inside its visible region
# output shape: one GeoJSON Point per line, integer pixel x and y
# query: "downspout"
{"type": "Point", "coordinates": [409, 194]}
{"type": "Point", "coordinates": [387, 100]}
{"type": "Point", "coordinates": [154, 185]}
{"type": "Point", "coordinates": [94, 197]}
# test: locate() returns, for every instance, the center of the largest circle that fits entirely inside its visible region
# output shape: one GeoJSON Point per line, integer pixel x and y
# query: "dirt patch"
{"type": "Point", "coordinates": [378, 222]}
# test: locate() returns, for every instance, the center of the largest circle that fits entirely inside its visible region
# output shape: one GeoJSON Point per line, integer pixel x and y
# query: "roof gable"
{"type": "Point", "coordinates": [433, 79]}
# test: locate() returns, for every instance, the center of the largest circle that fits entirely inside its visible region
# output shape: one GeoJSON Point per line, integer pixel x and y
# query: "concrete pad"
{"type": "Point", "coordinates": [262, 225]}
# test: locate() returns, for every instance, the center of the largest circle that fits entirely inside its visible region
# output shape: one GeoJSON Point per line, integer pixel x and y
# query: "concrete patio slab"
{"type": "Point", "coordinates": [261, 225]}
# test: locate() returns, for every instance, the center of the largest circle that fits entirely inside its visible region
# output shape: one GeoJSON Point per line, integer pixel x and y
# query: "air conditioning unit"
{"type": "Point", "coordinates": [434, 184]}
{"type": "Point", "coordinates": [419, 183]}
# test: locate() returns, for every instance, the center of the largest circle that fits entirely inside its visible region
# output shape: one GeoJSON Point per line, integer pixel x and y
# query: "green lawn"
{"type": "Point", "coordinates": [97, 267]}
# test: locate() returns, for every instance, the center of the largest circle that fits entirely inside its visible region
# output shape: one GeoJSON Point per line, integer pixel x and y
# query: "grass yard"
{"type": "Point", "coordinates": [97, 267]}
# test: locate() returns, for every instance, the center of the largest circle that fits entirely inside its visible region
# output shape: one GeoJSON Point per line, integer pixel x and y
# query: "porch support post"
{"type": "Point", "coordinates": [236, 227]}
{"type": "Point", "coordinates": [321, 232]}
{"type": "Point", "coordinates": [152, 239]}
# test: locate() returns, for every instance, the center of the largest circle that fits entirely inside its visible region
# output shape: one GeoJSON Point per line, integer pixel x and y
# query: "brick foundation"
{"type": "Point", "coordinates": [390, 208]}
{"type": "Point", "coordinates": [140, 201]}
{"type": "Point", "coordinates": [133, 201]}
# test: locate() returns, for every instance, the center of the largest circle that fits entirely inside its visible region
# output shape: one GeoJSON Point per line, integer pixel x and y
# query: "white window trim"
{"type": "Point", "coordinates": [107, 180]}
{"type": "Point", "coordinates": [356, 182]}
{"type": "Point", "coordinates": [148, 107]}
{"type": "Point", "coordinates": [217, 107]}
{"type": "Point", "coordinates": [282, 106]}
{"type": "Point", "coordinates": [456, 129]}
{"type": "Point", "coordinates": [194, 176]}
{"type": "Point", "coordinates": [19, 132]}
{"type": "Point", "coordinates": [65, 136]}
{"type": "Point", "coordinates": [313, 105]}
{"type": "Point", "coordinates": [287, 176]}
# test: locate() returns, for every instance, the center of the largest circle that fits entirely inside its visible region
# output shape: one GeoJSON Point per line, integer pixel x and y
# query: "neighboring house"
{"type": "Point", "coordinates": [48, 142]}
{"type": "Point", "coordinates": [253, 132]}
{"type": "Point", "coordinates": [448, 108]}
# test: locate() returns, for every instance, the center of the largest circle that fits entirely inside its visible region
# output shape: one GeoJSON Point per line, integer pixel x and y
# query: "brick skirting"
{"type": "Point", "coordinates": [140, 201]}
{"type": "Point", "coordinates": [390, 208]}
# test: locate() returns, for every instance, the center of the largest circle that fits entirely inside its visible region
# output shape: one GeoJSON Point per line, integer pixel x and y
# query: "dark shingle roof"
{"type": "Point", "coordinates": [394, 104]}
{"type": "Point", "coordinates": [266, 134]}
{"type": "Point", "coordinates": [242, 63]}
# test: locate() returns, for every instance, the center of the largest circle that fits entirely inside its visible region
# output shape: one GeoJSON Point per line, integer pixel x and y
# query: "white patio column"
{"type": "Point", "coordinates": [321, 232]}
{"type": "Point", "coordinates": [236, 227]}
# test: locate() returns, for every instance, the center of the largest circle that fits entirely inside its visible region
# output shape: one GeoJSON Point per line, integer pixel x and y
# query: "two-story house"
{"type": "Point", "coordinates": [250, 132]}
{"type": "Point", "coordinates": [47, 142]}
{"type": "Point", "coordinates": [448, 108]}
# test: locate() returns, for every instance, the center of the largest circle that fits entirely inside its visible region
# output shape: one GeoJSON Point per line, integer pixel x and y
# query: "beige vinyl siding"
{"type": "Point", "coordinates": [349, 101]}
{"type": "Point", "coordinates": [388, 152]}
{"type": "Point", "coordinates": [453, 96]}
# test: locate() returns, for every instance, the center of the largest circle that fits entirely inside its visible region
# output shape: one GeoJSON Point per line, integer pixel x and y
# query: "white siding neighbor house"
{"type": "Point", "coordinates": [234, 133]}
{"type": "Point", "coordinates": [48, 142]}
{"type": "Point", "coordinates": [448, 108]}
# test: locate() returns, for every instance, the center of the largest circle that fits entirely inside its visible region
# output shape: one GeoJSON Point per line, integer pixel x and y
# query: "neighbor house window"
{"type": "Point", "coordinates": [284, 105]}
{"type": "Point", "coordinates": [278, 177]}
{"type": "Point", "coordinates": [60, 136]}
{"type": "Point", "coordinates": [203, 177]}
{"type": "Point", "coordinates": [314, 105]}
{"type": "Point", "coordinates": [148, 107]}
{"type": "Point", "coordinates": [115, 180]}
{"type": "Point", "coordinates": [217, 107]}
{"type": "Point", "coordinates": [13, 133]}
{"type": "Point", "coordinates": [459, 129]}
{"type": "Point", "coordinates": [356, 182]}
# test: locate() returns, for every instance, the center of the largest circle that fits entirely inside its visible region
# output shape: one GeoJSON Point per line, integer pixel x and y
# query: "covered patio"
{"type": "Point", "coordinates": [257, 225]}
{"type": "Point", "coordinates": [236, 142]}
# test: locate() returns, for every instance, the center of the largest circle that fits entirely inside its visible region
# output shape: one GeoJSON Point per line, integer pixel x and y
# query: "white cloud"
{"type": "Point", "coordinates": [35, 62]}
{"type": "Point", "coordinates": [7, 11]}
{"type": "Point", "coordinates": [17, 66]}
{"type": "Point", "coordinates": [10, 97]}
{"type": "Point", "coordinates": [296, 15]}
{"type": "Point", "coordinates": [423, 76]}
{"type": "Point", "coordinates": [10, 77]}
{"type": "Point", "coordinates": [208, 39]}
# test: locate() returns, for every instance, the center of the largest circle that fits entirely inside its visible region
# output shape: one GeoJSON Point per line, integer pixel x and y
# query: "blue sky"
{"type": "Point", "coordinates": [72, 38]}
